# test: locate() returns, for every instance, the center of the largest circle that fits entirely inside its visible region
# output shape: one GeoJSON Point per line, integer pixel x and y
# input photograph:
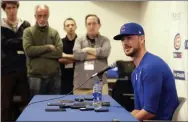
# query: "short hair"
{"type": "Point", "coordinates": [4, 3]}
{"type": "Point", "coordinates": [69, 19]}
{"type": "Point", "coordinates": [89, 15]}
{"type": "Point", "coordinates": [41, 6]}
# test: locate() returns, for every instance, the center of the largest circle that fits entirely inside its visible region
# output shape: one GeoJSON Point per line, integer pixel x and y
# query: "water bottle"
{"type": "Point", "coordinates": [97, 95]}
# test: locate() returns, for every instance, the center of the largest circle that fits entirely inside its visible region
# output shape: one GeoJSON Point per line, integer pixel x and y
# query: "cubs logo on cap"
{"type": "Point", "coordinates": [129, 29]}
{"type": "Point", "coordinates": [122, 28]}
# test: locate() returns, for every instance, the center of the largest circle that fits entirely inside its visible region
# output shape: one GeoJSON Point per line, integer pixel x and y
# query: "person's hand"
{"type": "Point", "coordinates": [85, 49]}
{"type": "Point", "coordinates": [52, 47]}
{"type": "Point", "coordinates": [64, 55]}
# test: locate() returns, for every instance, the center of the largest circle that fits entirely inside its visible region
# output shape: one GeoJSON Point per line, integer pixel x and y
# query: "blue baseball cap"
{"type": "Point", "coordinates": [129, 29]}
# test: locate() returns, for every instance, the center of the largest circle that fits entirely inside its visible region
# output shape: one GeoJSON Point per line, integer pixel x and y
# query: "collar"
{"type": "Point", "coordinates": [142, 60]}
{"type": "Point", "coordinates": [4, 23]}
{"type": "Point", "coordinates": [71, 40]}
{"type": "Point", "coordinates": [96, 37]}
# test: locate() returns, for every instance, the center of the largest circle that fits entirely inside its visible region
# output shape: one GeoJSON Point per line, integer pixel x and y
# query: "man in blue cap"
{"type": "Point", "coordinates": [155, 92]}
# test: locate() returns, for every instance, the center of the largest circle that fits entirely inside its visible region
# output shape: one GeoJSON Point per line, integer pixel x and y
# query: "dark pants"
{"type": "Point", "coordinates": [11, 84]}
{"type": "Point", "coordinates": [39, 86]}
{"type": "Point", "coordinates": [67, 78]}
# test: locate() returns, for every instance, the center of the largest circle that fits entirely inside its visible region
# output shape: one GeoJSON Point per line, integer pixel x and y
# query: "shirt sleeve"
{"type": "Point", "coordinates": [105, 49]}
{"type": "Point", "coordinates": [136, 98]}
{"type": "Point", "coordinates": [136, 102]}
{"type": "Point", "coordinates": [77, 50]}
{"type": "Point", "coordinates": [30, 49]}
{"type": "Point", "coordinates": [152, 87]}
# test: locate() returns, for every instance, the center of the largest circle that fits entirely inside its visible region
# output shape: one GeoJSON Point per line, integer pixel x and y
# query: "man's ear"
{"type": "Point", "coordinates": [99, 26]}
{"type": "Point", "coordinates": [142, 40]}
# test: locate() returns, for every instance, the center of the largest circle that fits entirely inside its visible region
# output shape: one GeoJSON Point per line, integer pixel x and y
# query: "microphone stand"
{"type": "Point", "coordinates": [100, 77]}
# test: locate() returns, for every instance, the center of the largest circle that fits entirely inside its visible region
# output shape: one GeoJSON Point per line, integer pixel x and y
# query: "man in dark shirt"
{"type": "Point", "coordinates": [67, 62]}
{"type": "Point", "coordinates": [13, 60]}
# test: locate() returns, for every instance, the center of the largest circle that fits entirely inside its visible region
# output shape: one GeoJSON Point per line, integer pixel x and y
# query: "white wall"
{"type": "Point", "coordinates": [155, 20]}
{"type": "Point", "coordinates": [155, 16]}
{"type": "Point", "coordinates": [160, 28]}
{"type": "Point", "coordinates": [112, 14]}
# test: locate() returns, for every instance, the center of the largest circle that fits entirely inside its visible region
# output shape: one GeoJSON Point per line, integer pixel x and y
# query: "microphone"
{"type": "Point", "coordinates": [104, 70]}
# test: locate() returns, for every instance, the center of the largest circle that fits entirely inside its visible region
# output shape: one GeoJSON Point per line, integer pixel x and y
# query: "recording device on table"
{"type": "Point", "coordinates": [87, 108]}
{"type": "Point", "coordinates": [82, 99]}
{"type": "Point", "coordinates": [90, 108]}
{"type": "Point", "coordinates": [81, 108]}
{"type": "Point", "coordinates": [55, 109]}
{"type": "Point", "coordinates": [77, 105]}
{"type": "Point", "coordinates": [65, 101]}
{"type": "Point", "coordinates": [79, 99]}
{"type": "Point", "coordinates": [88, 98]}
{"type": "Point", "coordinates": [103, 109]}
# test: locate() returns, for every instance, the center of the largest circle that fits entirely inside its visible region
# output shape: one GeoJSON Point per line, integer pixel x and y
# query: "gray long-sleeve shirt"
{"type": "Point", "coordinates": [103, 49]}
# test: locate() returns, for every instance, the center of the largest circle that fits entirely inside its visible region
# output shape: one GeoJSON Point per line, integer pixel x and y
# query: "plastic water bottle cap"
{"type": "Point", "coordinates": [96, 81]}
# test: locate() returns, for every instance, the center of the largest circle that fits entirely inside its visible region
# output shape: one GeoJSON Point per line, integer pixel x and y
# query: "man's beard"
{"type": "Point", "coordinates": [134, 53]}
{"type": "Point", "coordinates": [42, 25]}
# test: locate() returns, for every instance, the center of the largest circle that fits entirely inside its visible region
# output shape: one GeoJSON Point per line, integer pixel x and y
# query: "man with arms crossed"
{"type": "Point", "coordinates": [43, 48]}
{"type": "Point", "coordinates": [91, 52]}
{"type": "Point", "coordinates": [68, 60]}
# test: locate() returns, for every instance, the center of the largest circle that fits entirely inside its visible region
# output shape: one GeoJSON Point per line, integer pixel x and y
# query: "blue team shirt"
{"type": "Point", "coordinates": [154, 87]}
